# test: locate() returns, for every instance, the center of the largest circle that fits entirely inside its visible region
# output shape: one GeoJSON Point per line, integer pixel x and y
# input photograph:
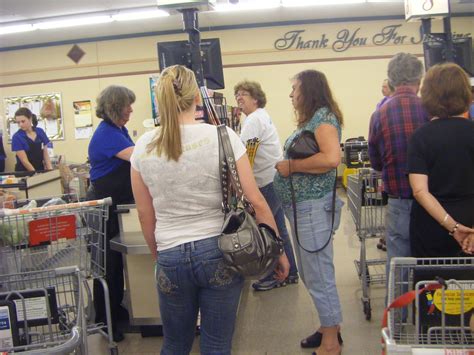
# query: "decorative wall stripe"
{"type": "Point", "coordinates": [229, 66]}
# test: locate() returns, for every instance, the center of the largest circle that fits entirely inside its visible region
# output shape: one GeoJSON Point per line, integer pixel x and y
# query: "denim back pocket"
{"type": "Point", "coordinates": [218, 274]}
{"type": "Point", "coordinates": [166, 279]}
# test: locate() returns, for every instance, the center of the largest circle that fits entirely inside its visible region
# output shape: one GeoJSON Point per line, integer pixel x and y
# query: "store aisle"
{"type": "Point", "coordinates": [274, 322]}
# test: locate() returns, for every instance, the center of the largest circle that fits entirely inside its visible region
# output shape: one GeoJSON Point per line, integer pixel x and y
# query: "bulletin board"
{"type": "Point", "coordinates": [47, 108]}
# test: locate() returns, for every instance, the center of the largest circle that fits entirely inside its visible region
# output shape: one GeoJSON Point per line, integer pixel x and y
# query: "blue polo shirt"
{"type": "Point", "coordinates": [3, 155]}
{"type": "Point", "coordinates": [20, 139]}
{"type": "Point", "coordinates": [107, 141]}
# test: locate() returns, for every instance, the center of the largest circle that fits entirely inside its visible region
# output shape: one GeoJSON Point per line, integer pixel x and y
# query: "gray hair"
{"type": "Point", "coordinates": [404, 69]}
{"type": "Point", "coordinates": [111, 102]}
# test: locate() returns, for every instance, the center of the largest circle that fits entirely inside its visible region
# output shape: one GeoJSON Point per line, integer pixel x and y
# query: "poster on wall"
{"type": "Point", "coordinates": [82, 119]}
{"type": "Point", "coordinates": [46, 107]}
{"type": "Point", "coordinates": [154, 101]}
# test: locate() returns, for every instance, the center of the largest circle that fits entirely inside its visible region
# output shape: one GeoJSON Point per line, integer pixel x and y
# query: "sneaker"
{"type": "Point", "coordinates": [269, 284]}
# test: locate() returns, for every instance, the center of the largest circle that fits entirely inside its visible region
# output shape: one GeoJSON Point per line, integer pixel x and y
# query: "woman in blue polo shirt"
{"type": "Point", "coordinates": [109, 154]}
{"type": "Point", "coordinates": [29, 143]}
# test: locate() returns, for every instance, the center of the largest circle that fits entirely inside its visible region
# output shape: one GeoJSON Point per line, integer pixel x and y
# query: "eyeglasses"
{"type": "Point", "coordinates": [242, 94]}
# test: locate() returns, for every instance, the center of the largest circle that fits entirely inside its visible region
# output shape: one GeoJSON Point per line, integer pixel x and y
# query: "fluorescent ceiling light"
{"type": "Point", "coordinates": [139, 15]}
{"type": "Point", "coordinates": [291, 3]}
{"type": "Point", "coordinates": [247, 5]}
{"type": "Point", "coordinates": [16, 29]}
{"type": "Point", "coordinates": [71, 22]}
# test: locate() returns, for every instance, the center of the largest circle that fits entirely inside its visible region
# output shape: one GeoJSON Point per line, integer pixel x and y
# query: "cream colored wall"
{"type": "Point", "coordinates": [355, 75]}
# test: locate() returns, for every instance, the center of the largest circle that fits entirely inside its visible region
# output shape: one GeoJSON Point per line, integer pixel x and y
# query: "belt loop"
{"type": "Point", "coordinates": [192, 245]}
{"type": "Point", "coordinates": [183, 247]}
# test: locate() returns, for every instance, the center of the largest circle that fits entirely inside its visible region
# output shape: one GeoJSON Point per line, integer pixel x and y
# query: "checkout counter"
{"type": "Point", "coordinates": [24, 185]}
{"type": "Point", "coordinates": [141, 296]}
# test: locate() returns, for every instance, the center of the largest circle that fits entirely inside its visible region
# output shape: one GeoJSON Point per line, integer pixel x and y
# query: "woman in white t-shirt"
{"type": "Point", "coordinates": [176, 184]}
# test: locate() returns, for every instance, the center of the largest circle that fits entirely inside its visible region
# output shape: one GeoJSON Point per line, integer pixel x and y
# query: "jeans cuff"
{"type": "Point", "coordinates": [331, 320]}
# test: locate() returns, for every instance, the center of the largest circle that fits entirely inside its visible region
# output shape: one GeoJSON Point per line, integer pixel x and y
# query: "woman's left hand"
{"type": "Point", "coordinates": [461, 233]}
{"type": "Point", "coordinates": [283, 168]}
{"type": "Point", "coordinates": [468, 244]}
{"type": "Point", "coordinates": [283, 268]}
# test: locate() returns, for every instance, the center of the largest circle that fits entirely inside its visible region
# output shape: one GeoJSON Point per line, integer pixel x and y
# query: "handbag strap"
{"type": "Point", "coordinates": [228, 164]}
{"type": "Point", "coordinates": [223, 173]}
{"type": "Point", "coordinates": [295, 214]}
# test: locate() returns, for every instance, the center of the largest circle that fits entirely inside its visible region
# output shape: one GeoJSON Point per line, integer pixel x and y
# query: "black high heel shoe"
{"type": "Point", "coordinates": [314, 340]}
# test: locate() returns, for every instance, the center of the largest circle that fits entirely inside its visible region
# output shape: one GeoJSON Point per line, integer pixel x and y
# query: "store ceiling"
{"type": "Point", "coordinates": [16, 11]}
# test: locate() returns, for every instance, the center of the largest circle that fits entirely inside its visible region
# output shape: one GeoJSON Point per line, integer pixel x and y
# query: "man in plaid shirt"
{"type": "Point", "coordinates": [390, 129]}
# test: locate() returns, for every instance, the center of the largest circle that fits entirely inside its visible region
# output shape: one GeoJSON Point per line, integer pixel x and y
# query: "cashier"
{"type": "Point", "coordinates": [29, 143]}
{"type": "Point", "coordinates": [109, 153]}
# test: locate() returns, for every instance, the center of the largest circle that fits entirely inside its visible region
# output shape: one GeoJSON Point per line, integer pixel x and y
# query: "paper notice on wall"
{"type": "Point", "coordinates": [12, 109]}
{"type": "Point", "coordinates": [35, 107]}
{"type": "Point", "coordinates": [51, 126]}
{"type": "Point", "coordinates": [83, 132]}
{"type": "Point", "coordinates": [82, 120]}
{"type": "Point", "coordinates": [82, 113]}
{"type": "Point", "coordinates": [13, 128]}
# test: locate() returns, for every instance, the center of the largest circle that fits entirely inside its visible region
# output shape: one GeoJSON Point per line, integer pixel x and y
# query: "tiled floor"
{"type": "Point", "coordinates": [274, 322]}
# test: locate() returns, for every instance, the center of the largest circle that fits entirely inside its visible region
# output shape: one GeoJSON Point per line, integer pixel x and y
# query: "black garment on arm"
{"type": "Point", "coordinates": [444, 151]}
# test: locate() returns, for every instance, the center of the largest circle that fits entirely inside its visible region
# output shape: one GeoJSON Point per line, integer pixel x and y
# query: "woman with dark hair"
{"type": "Point", "coordinates": [441, 167]}
{"type": "Point", "coordinates": [314, 181]}
{"type": "Point", "coordinates": [109, 153]}
{"type": "Point", "coordinates": [181, 217]}
{"type": "Point", "coordinates": [30, 143]}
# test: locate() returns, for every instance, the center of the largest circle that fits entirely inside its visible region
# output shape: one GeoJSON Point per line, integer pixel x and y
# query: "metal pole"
{"type": "Point", "coordinates": [191, 26]}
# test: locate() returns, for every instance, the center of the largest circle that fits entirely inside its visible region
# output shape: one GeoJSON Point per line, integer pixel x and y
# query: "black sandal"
{"type": "Point", "coordinates": [314, 340]}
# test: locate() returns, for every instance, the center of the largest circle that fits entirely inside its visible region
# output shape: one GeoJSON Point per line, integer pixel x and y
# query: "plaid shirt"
{"type": "Point", "coordinates": [390, 129]}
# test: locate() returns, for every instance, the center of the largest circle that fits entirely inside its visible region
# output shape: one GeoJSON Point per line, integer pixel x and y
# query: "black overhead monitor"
{"type": "Point", "coordinates": [436, 52]}
{"type": "Point", "coordinates": [178, 52]}
{"type": "Point", "coordinates": [463, 55]}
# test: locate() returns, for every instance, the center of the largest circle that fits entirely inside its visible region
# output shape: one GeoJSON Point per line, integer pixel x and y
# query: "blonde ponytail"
{"type": "Point", "coordinates": [175, 93]}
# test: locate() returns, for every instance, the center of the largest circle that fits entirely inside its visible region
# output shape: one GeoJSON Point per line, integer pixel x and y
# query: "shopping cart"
{"type": "Point", "coordinates": [71, 234]}
{"type": "Point", "coordinates": [42, 312]}
{"type": "Point", "coordinates": [367, 206]}
{"type": "Point", "coordinates": [438, 321]}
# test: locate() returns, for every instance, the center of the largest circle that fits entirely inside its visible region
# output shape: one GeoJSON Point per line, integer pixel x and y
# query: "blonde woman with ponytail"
{"type": "Point", "coordinates": [176, 185]}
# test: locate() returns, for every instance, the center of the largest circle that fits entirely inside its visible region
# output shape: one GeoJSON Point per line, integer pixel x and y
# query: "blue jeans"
{"type": "Point", "coordinates": [397, 230]}
{"type": "Point", "coordinates": [317, 269]}
{"type": "Point", "coordinates": [193, 277]}
{"type": "Point", "coordinates": [275, 205]}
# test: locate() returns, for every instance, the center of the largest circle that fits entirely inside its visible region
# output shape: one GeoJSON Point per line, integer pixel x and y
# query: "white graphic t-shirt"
{"type": "Point", "coordinates": [186, 194]}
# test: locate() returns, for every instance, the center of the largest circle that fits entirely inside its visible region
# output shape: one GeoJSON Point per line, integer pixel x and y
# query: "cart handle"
{"type": "Point", "coordinates": [65, 348]}
{"type": "Point", "coordinates": [13, 212]}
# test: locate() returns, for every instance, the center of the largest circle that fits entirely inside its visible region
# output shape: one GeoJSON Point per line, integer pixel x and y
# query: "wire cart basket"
{"type": "Point", "coordinates": [438, 322]}
{"type": "Point", "coordinates": [42, 312]}
{"type": "Point", "coordinates": [70, 234]}
{"type": "Point", "coordinates": [367, 207]}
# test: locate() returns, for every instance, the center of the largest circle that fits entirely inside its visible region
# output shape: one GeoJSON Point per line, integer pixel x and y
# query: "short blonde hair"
{"type": "Point", "coordinates": [175, 91]}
